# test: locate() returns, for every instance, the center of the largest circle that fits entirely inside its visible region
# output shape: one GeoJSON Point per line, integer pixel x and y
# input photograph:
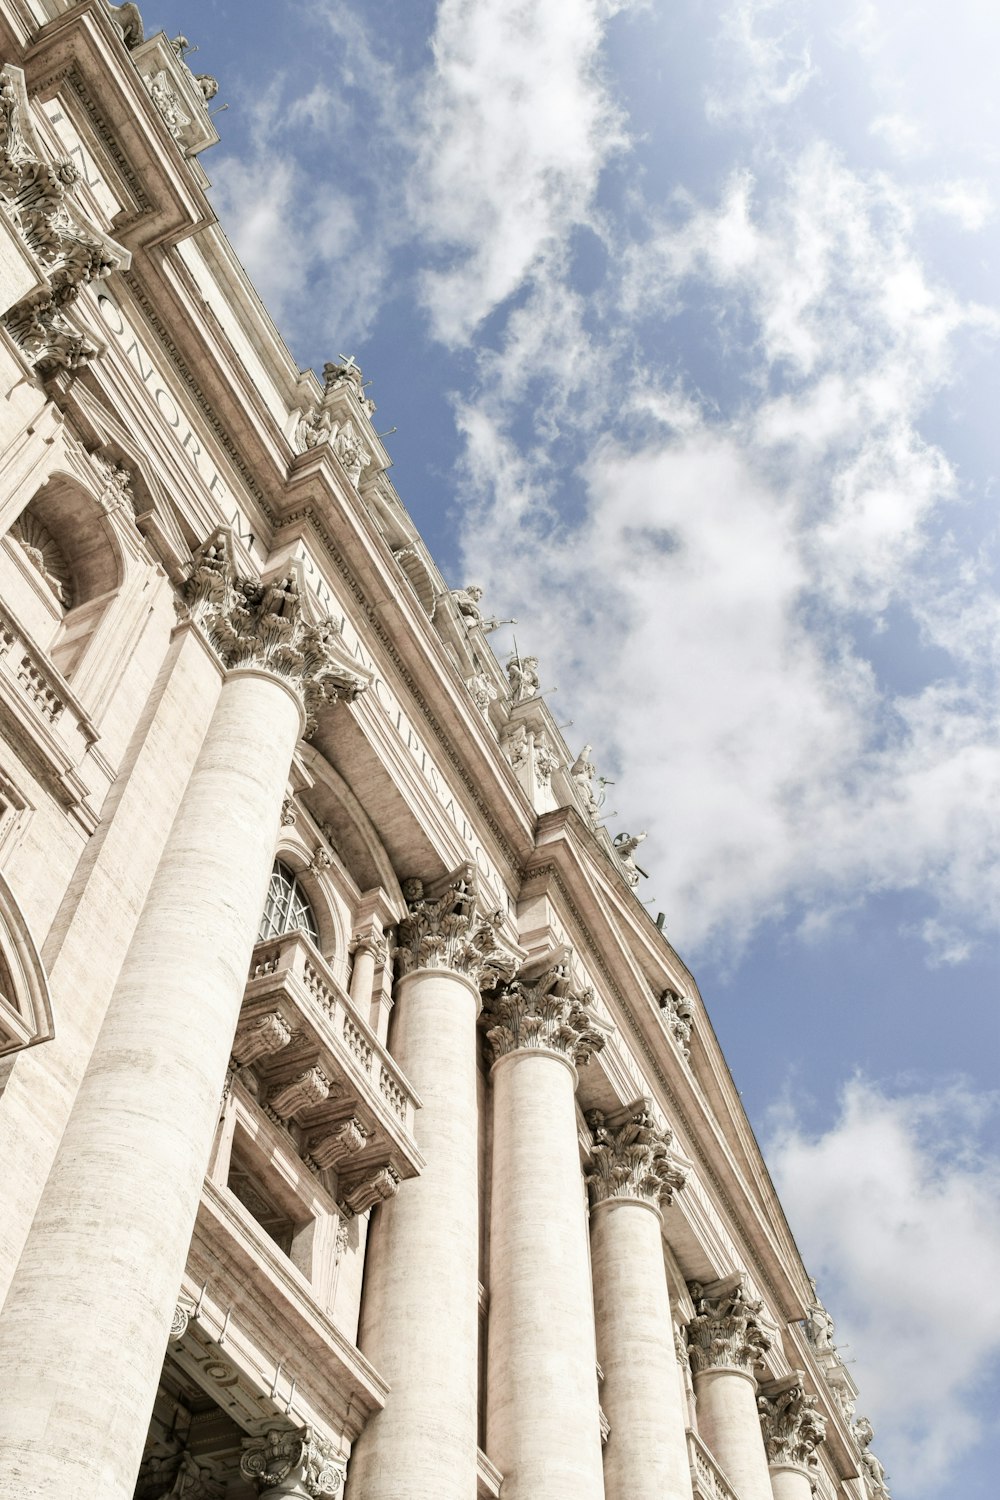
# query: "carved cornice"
{"type": "Point", "coordinates": [71, 255]}
{"type": "Point", "coordinates": [792, 1428]}
{"type": "Point", "coordinates": [258, 624]}
{"type": "Point", "coordinates": [632, 1159]}
{"type": "Point", "coordinates": [541, 1011]}
{"type": "Point", "coordinates": [445, 928]}
{"type": "Point", "coordinates": [296, 1462]}
{"type": "Point", "coordinates": [726, 1332]}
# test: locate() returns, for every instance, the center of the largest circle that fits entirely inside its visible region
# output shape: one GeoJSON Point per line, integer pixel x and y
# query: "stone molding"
{"type": "Point", "coordinates": [541, 1009]}
{"type": "Point", "coordinates": [446, 928]}
{"type": "Point", "coordinates": [251, 622]}
{"type": "Point", "coordinates": [791, 1426]}
{"type": "Point", "coordinates": [631, 1159]}
{"type": "Point", "coordinates": [293, 1462]}
{"type": "Point", "coordinates": [726, 1332]}
{"type": "Point", "coordinates": [34, 192]}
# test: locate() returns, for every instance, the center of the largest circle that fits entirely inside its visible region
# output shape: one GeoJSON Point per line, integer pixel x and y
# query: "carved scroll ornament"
{"type": "Point", "coordinates": [285, 1462]}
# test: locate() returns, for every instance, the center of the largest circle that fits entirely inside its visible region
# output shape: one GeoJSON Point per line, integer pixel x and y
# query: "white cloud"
{"type": "Point", "coordinates": [767, 60]}
{"type": "Point", "coordinates": [516, 128]}
{"type": "Point", "coordinates": [699, 614]}
{"type": "Point", "coordinates": [897, 1211]}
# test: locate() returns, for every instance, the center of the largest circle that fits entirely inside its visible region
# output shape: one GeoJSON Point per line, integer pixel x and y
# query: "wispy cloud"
{"type": "Point", "coordinates": [516, 126]}
{"type": "Point", "coordinates": [895, 1207]}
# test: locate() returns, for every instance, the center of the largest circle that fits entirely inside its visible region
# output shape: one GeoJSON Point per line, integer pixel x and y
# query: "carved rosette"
{"type": "Point", "coordinates": [293, 1462]}
{"type": "Point", "coordinates": [792, 1428]}
{"type": "Point", "coordinates": [726, 1332]}
{"type": "Point", "coordinates": [258, 624]}
{"type": "Point", "coordinates": [446, 928]}
{"type": "Point", "coordinates": [632, 1160]}
{"type": "Point", "coordinates": [541, 1012]}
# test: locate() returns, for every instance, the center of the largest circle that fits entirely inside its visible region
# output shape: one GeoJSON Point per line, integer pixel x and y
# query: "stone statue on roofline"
{"type": "Point", "coordinates": [625, 845]}
{"type": "Point", "coordinates": [522, 673]}
{"type": "Point", "coordinates": [582, 773]}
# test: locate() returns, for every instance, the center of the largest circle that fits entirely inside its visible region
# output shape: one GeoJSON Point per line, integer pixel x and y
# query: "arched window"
{"type": "Point", "coordinates": [287, 908]}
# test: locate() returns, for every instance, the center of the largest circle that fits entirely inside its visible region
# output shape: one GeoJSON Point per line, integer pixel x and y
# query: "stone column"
{"type": "Point", "coordinates": [792, 1429]}
{"type": "Point", "coordinates": [543, 1425]}
{"type": "Point", "coordinates": [420, 1313]}
{"type": "Point", "coordinates": [86, 1324]}
{"type": "Point", "coordinates": [630, 1178]}
{"type": "Point", "coordinates": [726, 1343]}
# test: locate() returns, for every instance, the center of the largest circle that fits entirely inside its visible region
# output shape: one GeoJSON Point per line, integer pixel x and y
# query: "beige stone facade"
{"type": "Point", "coordinates": [361, 1133]}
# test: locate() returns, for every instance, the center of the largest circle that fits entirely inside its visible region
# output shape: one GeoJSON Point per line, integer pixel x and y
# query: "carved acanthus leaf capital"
{"type": "Point", "coordinates": [258, 623]}
{"type": "Point", "coordinates": [791, 1426]}
{"type": "Point", "coordinates": [542, 1009]}
{"type": "Point", "coordinates": [726, 1332]}
{"type": "Point", "coordinates": [293, 1462]}
{"type": "Point", "coordinates": [446, 928]}
{"type": "Point", "coordinates": [34, 192]}
{"type": "Point", "coordinates": [631, 1159]}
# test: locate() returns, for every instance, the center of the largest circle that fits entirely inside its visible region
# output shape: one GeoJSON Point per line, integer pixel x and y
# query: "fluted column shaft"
{"type": "Point", "coordinates": [543, 1422]}
{"type": "Point", "coordinates": [86, 1322]}
{"type": "Point", "coordinates": [420, 1314]}
{"type": "Point", "coordinates": [630, 1177]}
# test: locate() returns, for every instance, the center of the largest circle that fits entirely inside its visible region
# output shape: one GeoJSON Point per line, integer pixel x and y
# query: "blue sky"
{"type": "Point", "coordinates": [687, 318]}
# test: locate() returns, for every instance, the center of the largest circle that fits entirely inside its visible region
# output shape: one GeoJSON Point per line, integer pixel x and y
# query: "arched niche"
{"type": "Point", "coordinates": [69, 554]}
{"type": "Point", "coordinates": [25, 1004]}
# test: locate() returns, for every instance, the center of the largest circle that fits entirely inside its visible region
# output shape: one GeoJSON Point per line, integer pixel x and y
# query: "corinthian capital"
{"type": "Point", "coordinates": [791, 1425]}
{"type": "Point", "coordinates": [446, 928]}
{"type": "Point", "coordinates": [286, 1461]}
{"type": "Point", "coordinates": [256, 623]}
{"type": "Point", "coordinates": [631, 1158]}
{"type": "Point", "coordinates": [542, 1009]}
{"type": "Point", "coordinates": [726, 1332]}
